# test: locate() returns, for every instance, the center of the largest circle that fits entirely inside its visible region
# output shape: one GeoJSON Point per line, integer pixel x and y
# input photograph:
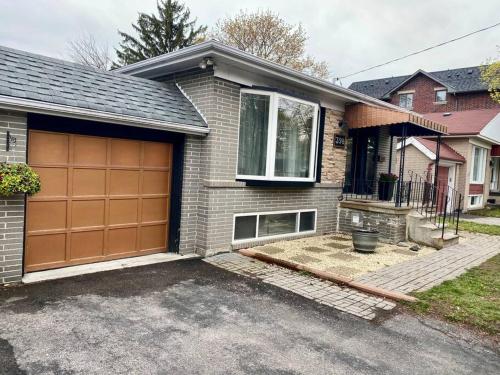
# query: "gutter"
{"type": "Point", "coordinates": [33, 106]}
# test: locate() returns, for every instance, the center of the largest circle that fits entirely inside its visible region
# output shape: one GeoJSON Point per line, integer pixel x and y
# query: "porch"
{"type": "Point", "coordinates": [377, 192]}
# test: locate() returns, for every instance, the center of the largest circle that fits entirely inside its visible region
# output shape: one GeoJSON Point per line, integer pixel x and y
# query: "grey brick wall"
{"type": "Point", "coordinates": [211, 195]}
{"type": "Point", "coordinates": [12, 208]}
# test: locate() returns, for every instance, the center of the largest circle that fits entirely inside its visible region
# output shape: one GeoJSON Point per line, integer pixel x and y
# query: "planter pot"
{"type": "Point", "coordinates": [365, 240]}
{"type": "Point", "coordinates": [386, 190]}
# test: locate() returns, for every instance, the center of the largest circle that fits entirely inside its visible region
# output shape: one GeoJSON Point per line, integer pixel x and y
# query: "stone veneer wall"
{"type": "Point", "coordinates": [211, 194]}
{"type": "Point", "coordinates": [334, 158]}
{"type": "Point", "coordinates": [12, 208]}
{"type": "Point", "coordinates": [391, 225]}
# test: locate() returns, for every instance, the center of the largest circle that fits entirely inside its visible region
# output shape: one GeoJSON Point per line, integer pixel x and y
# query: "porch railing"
{"type": "Point", "coordinates": [439, 203]}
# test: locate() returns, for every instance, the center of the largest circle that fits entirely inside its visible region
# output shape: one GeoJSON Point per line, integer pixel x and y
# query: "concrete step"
{"type": "Point", "coordinates": [449, 239]}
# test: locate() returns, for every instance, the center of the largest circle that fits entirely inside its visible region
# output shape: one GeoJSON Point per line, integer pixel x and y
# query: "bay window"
{"type": "Point", "coordinates": [478, 167]}
{"type": "Point", "coordinates": [277, 137]}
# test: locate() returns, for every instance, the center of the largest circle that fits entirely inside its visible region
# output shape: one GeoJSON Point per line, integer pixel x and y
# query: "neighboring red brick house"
{"type": "Point", "coordinates": [424, 92]}
{"type": "Point", "coordinates": [458, 99]}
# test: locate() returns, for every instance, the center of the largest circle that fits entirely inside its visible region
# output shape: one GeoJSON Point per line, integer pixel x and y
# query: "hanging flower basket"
{"type": "Point", "coordinates": [18, 178]}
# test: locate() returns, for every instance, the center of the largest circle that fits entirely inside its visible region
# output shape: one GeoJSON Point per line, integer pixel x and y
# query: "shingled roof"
{"type": "Point", "coordinates": [456, 80]}
{"type": "Point", "coordinates": [43, 79]}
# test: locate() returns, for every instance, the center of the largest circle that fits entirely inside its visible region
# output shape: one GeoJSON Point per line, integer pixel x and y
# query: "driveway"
{"type": "Point", "coordinates": [189, 317]}
{"type": "Point", "coordinates": [481, 219]}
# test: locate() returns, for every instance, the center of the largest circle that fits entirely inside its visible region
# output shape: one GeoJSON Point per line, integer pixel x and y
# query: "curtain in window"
{"type": "Point", "coordinates": [293, 138]}
{"type": "Point", "coordinates": [254, 118]}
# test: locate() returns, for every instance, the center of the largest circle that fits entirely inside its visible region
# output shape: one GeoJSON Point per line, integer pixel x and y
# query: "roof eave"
{"type": "Point", "coordinates": [214, 47]}
{"type": "Point", "coordinates": [33, 106]}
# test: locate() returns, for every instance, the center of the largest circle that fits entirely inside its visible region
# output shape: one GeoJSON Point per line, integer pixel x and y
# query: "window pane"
{"type": "Point", "coordinates": [270, 225]}
{"type": "Point", "coordinates": [254, 118]}
{"type": "Point", "coordinates": [293, 138]}
{"type": "Point", "coordinates": [244, 227]}
{"type": "Point", "coordinates": [306, 221]}
{"type": "Point", "coordinates": [406, 101]}
{"type": "Point", "coordinates": [441, 96]}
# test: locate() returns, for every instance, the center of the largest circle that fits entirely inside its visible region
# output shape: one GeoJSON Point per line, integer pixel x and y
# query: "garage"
{"type": "Point", "coordinates": [102, 198]}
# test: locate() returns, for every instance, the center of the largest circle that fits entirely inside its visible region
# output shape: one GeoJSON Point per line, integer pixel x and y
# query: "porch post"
{"type": "Point", "coordinates": [401, 167]}
{"type": "Point", "coordinates": [390, 155]}
{"type": "Point", "coordinates": [436, 164]}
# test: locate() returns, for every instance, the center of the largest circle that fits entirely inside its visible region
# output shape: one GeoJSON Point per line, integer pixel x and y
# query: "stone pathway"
{"type": "Point", "coordinates": [423, 273]}
{"type": "Point", "coordinates": [325, 292]}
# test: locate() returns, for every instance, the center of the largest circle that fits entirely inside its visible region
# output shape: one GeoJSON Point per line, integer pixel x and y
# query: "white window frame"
{"type": "Point", "coordinates": [406, 100]}
{"type": "Point", "coordinates": [271, 138]}
{"type": "Point", "coordinates": [477, 205]}
{"type": "Point", "coordinates": [495, 174]}
{"type": "Point", "coordinates": [276, 236]}
{"type": "Point", "coordinates": [436, 96]}
{"type": "Point", "coordinates": [483, 165]}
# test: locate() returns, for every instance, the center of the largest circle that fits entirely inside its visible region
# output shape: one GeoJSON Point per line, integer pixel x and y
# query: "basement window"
{"type": "Point", "coordinates": [475, 201]}
{"type": "Point", "coordinates": [277, 137]}
{"type": "Point", "coordinates": [273, 224]}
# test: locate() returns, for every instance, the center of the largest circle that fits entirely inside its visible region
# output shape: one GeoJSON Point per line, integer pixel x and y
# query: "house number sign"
{"type": "Point", "coordinates": [339, 141]}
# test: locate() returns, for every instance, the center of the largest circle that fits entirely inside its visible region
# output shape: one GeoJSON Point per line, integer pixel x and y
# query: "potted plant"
{"type": "Point", "coordinates": [365, 240]}
{"type": "Point", "coordinates": [386, 184]}
{"type": "Point", "coordinates": [18, 178]}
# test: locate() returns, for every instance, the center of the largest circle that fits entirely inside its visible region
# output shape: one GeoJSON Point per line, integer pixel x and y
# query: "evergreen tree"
{"type": "Point", "coordinates": [171, 30]}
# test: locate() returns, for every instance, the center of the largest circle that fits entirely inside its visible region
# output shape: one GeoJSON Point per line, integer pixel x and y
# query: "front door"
{"type": "Point", "coordinates": [362, 161]}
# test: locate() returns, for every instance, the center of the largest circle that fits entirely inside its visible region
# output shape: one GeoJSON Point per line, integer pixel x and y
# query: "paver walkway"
{"type": "Point", "coordinates": [425, 272]}
{"type": "Point", "coordinates": [414, 275]}
{"type": "Point", "coordinates": [325, 292]}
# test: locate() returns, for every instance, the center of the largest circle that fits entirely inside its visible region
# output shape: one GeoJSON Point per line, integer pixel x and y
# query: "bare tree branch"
{"type": "Point", "coordinates": [86, 51]}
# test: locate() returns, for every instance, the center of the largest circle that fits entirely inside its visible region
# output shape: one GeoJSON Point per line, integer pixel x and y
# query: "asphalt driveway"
{"type": "Point", "coordinates": [189, 317]}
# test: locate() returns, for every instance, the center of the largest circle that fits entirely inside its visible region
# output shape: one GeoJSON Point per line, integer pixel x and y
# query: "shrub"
{"type": "Point", "coordinates": [18, 178]}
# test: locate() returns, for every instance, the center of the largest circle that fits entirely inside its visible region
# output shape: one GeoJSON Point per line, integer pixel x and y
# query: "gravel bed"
{"type": "Point", "coordinates": [335, 253]}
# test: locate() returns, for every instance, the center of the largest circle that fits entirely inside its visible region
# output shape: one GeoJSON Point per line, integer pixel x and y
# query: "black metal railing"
{"type": "Point", "coordinates": [439, 203]}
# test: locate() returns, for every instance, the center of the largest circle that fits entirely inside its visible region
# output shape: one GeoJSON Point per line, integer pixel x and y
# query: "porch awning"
{"type": "Point", "coordinates": [360, 115]}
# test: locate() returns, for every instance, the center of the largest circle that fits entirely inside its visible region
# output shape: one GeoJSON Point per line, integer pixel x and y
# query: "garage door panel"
{"type": "Point", "coordinates": [54, 181]}
{"type": "Point", "coordinates": [155, 182]}
{"type": "Point", "coordinates": [89, 151]}
{"type": "Point", "coordinates": [89, 182]}
{"type": "Point", "coordinates": [154, 209]}
{"type": "Point", "coordinates": [45, 249]}
{"type": "Point", "coordinates": [48, 148]}
{"type": "Point", "coordinates": [87, 213]}
{"type": "Point", "coordinates": [122, 240]}
{"type": "Point", "coordinates": [88, 244]}
{"type": "Point", "coordinates": [123, 211]}
{"type": "Point", "coordinates": [124, 182]}
{"type": "Point", "coordinates": [47, 215]}
{"type": "Point", "coordinates": [157, 154]}
{"type": "Point", "coordinates": [153, 237]}
{"type": "Point", "coordinates": [125, 153]}
{"type": "Point", "coordinates": [102, 198]}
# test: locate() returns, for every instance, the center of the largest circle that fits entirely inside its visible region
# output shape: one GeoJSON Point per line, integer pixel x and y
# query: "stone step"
{"type": "Point", "coordinates": [448, 239]}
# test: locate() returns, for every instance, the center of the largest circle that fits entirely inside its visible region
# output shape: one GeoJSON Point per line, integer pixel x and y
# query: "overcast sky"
{"type": "Point", "coordinates": [349, 35]}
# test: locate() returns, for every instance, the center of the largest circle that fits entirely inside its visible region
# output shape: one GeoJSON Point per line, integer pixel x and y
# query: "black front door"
{"type": "Point", "coordinates": [362, 148]}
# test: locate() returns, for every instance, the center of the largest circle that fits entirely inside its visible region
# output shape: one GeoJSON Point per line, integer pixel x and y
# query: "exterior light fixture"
{"type": "Point", "coordinates": [207, 61]}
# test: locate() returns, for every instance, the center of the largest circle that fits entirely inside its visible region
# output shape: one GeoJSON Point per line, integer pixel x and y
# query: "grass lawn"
{"type": "Point", "coordinates": [469, 226]}
{"type": "Point", "coordinates": [472, 299]}
{"type": "Point", "coordinates": [488, 211]}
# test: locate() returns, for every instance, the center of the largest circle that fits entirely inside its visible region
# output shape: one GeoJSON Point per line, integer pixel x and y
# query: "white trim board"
{"type": "Point", "coordinates": [419, 146]}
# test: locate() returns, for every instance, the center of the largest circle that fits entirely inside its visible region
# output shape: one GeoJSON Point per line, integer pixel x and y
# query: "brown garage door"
{"type": "Point", "coordinates": [101, 199]}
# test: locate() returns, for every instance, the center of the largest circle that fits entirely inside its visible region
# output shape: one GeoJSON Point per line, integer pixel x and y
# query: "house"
{"type": "Point", "coordinates": [205, 149]}
{"type": "Point", "coordinates": [460, 100]}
